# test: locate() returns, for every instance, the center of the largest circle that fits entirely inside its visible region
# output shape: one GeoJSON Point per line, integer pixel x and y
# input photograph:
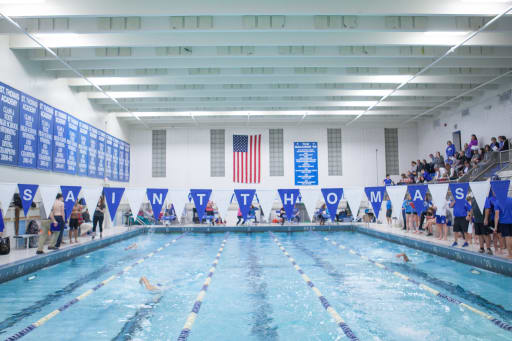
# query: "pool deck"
{"type": "Point", "coordinates": [23, 261]}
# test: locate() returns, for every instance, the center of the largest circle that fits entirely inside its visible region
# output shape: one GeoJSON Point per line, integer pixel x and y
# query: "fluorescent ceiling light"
{"type": "Point", "coordinates": [486, 1]}
{"type": "Point", "coordinates": [442, 33]}
{"type": "Point", "coordinates": [21, 2]}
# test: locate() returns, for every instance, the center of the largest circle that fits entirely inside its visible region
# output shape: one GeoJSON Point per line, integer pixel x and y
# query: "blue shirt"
{"type": "Point", "coordinates": [505, 210]}
{"type": "Point", "coordinates": [427, 176]}
{"type": "Point", "coordinates": [408, 207]}
{"type": "Point", "coordinates": [461, 208]}
{"type": "Point", "coordinates": [468, 153]}
{"type": "Point", "coordinates": [490, 201]}
{"type": "Point", "coordinates": [388, 182]}
{"type": "Point", "coordinates": [450, 150]}
{"type": "Point", "coordinates": [388, 205]}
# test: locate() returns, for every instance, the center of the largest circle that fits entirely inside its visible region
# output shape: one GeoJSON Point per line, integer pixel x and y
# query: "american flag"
{"type": "Point", "coordinates": [247, 159]}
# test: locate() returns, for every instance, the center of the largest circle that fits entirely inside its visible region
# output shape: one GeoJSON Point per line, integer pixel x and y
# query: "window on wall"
{"type": "Point", "coordinates": [391, 144]}
{"type": "Point", "coordinates": [217, 152]}
{"type": "Point", "coordinates": [334, 152]}
{"type": "Point", "coordinates": [159, 151]}
{"type": "Point", "coordinates": [276, 161]}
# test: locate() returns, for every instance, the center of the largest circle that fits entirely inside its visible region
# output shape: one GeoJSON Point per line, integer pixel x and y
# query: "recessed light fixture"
{"type": "Point", "coordinates": [21, 2]}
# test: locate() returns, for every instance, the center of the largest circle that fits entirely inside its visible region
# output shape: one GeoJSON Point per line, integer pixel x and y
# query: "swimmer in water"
{"type": "Point", "coordinates": [143, 280]}
{"type": "Point", "coordinates": [131, 247]}
{"type": "Point", "coordinates": [404, 256]}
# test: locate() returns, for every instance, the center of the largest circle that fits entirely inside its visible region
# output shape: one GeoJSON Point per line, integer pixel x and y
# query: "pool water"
{"type": "Point", "coordinates": [256, 293]}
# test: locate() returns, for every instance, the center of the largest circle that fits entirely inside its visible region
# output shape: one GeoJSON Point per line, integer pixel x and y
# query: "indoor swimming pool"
{"type": "Point", "coordinates": [259, 286]}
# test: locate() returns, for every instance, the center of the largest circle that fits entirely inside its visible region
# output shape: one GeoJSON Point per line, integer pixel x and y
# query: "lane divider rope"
{"type": "Point", "coordinates": [498, 322]}
{"type": "Point", "coordinates": [191, 318]}
{"type": "Point", "coordinates": [327, 306]}
{"type": "Point", "coordinates": [85, 294]}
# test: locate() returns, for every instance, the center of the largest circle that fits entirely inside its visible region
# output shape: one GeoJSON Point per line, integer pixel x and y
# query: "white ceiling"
{"type": "Point", "coordinates": [261, 62]}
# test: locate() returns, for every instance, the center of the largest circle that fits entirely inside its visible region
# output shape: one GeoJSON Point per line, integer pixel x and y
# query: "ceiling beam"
{"type": "Point", "coordinates": [273, 93]}
{"type": "Point", "coordinates": [242, 62]}
{"type": "Point", "coordinates": [283, 79]}
{"type": "Point", "coordinates": [345, 38]}
{"type": "Point", "coordinates": [59, 8]}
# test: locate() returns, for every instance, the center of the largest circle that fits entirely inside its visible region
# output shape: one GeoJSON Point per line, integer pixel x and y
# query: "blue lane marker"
{"type": "Point", "coordinates": [191, 318]}
{"type": "Point", "coordinates": [334, 314]}
{"type": "Point", "coordinates": [75, 300]}
{"type": "Point", "coordinates": [499, 323]}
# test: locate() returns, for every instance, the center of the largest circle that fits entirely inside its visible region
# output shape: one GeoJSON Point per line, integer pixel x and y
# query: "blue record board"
{"type": "Point", "coordinates": [9, 125]}
{"type": "Point", "coordinates": [60, 141]}
{"type": "Point", "coordinates": [115, 159]}
{"type": "Point", "coordinates": [101, 154]}
{"type": "Point", "coordinates": [92, 168]}
{"type": "Point", "coordinates": [45, 137]}
{"type": "Point", "coordinates": [72, 145]}
{"type": "Point", "coordinates": [306, 163]}
{"type": "Point", "coordinates": [29, 123]}
{"type": "Point", "coordinates": [83, 148]}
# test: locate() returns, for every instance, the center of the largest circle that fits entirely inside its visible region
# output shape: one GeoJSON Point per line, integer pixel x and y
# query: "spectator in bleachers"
{"type": "Point", "coordinates": [450, 172]}
{"type": "Point", "coordinates": [421, 179]}
{"type": "Point", "coordinates": [427, 176]}
{"type": "Point", "coordinates": [419, 167]}
{"type": "Point", "coordinates": [403, 179]}
{"type": "Point", "coordinates": [413, 168]}
{"type": "Point", "coordinates": [438, 160]}
{"type": "Point", "coordinates": [450, 150]}
{"type": "Point", "coordinates": [440, 173]}
{"type": "Point", "coordinates": [494, 144]}
{"type": "Point", "coordinates": [468, 153]}
{"type": "Point", "coordinates": [473, 142]}
{"type": "Point", "coordinates": [487, 153]}
{"type": "Point", "coordinates": [503, 143]}
{"type": "Point", "coordinates": [388, 181]}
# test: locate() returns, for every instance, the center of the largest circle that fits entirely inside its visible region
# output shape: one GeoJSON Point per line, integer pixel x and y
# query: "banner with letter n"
{"type": "Point", "coordinates": [332, 197]}
{"type": "Point", "coordinates": [156, 197]}
{"type": "Point", "coordinates": [247, 159]}
{"type": "Point", "coordinates": [244, 197]}
{"type": "Point", "coordinates": [288, 198]}
{"type": "Point", "coordinates": [375, 196]}
{"type": "Point", "coordinates": [200, 198]}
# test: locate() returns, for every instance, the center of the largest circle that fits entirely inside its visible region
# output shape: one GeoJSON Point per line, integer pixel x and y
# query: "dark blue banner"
{"type": "Point", "coordinates": [72, 161]}
{"type": "Point", "coordinates": [126, 162]}
{"type": "Point", "coordinates": [288, 198]}
{"type": "Point", "coordinates": [156, 197]}
{"type": "Point", "coordinates": [115, 159]}
{"type": "Point", "coordinates": [45, 137]}
{"type": "Point", "coordinates": [60, 141]}
{"type": "Point", "coordinates": [101, 154]}
{"type": "Point", "coordinates": [27, 194]}
{"type": "Point", "coordinates": [113, 196]}
{"type": "Point", "coordinates": [92, 168]}
{"type": "Point", "coordinates": [9, 125]}
{"type": "Point", "coordinates": [29, 124]}
{"type": "Point", "coordinates": [500, 189]}
{"type": "Point", "coordinates": [200, 198]}
{"type": "Point", "coordinates": [70, 194]}
{"type": "Point", "coordinates": [332, 197]}
{"type": "Point", "coordinates": [108, 156]}
{"type": "Point", "coordinates": [306, 163]}
{"type": "Point", "coordinates": [244, 198]}
{"type": "Point", "coordinates": [418, 195]}
{"type": "Point", "coordinates": [121, 161]}
{"type": "Point", "coordinates": [83, 148]}
{"type": "Point", "coordinates": [375, 196]}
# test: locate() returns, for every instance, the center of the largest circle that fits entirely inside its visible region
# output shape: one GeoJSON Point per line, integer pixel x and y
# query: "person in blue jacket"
{"type": "Point", "coordinates": [450, 150]}
{"type": "Point", "coordinates": [503, 222]}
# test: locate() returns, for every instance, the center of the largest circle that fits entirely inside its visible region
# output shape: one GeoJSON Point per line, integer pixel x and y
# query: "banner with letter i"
{"type": "Point", "coordinates": [70, 194]}
{"type": "Point", "coordinates": [113, 196]}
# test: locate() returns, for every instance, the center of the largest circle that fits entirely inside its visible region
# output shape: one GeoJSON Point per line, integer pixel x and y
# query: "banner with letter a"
{"type": "Point", "coordinates": [375, 196]}
{"type": "Point", "coordinates": [156, 197]}
{"type": "Point", "coordinates": [418, 194]}
{"type": "Point", "coordinates": [288, 198]}
{"type": "Point", "coordinates": [113, 196]}
{"type": "Point", "coordinates": [70, 194]}
{"type": "Point", "coordinates": [244, 198]}
{"type": "Point", "coordinates": [200, 198]}
{"type": "Point", "coordinates": [27, 194]}
{"type": "Point", "coordinates": [332, 197]}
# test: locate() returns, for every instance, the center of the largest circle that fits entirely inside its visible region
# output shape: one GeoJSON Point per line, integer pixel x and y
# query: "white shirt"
{"type": "Point", "coordinates": [441, 211]}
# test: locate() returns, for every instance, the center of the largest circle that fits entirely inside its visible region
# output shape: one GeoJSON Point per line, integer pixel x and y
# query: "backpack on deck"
{"type": "Point", "coordinates": [5, 246]}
